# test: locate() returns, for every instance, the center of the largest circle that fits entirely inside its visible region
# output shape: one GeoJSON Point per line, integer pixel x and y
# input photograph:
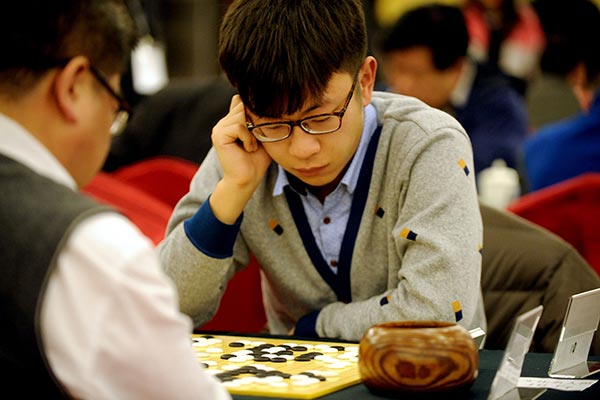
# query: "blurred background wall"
{"type": "Point", "coordinates": [189, 29]}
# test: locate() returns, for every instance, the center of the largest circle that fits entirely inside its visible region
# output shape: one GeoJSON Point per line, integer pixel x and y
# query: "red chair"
{"type": "Point", "coordinates": [149, 214]}
{"type": "Point", "coordinates": [241, 309]}
{"type": "Point", "coordinates": [570, 209]}
{"type": "Point", "coordinates": [166, 178]}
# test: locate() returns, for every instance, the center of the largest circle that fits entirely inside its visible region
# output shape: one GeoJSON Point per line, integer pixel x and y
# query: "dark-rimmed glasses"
{"type": "Point", "coordinates": [122, 114]}
{"type": "Point", "coordinates": [319, 124]}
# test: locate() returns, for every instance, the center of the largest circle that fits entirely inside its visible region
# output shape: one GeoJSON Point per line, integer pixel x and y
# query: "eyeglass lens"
{"type": "Point", "coordinates": [316, 125]}
{"type": "Point", "coordinates": [119, 122]}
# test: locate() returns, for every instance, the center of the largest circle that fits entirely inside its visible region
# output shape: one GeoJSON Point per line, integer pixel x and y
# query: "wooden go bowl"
{"type": "Point", "coordinates": [417, 356]}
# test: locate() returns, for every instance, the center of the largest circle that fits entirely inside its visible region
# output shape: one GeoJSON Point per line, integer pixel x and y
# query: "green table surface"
{"type": "Point", "coordinates": [536, 365]}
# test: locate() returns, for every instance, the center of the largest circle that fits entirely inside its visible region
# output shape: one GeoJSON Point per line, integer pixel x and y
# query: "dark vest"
{"type": "Point", "coordinates": [36, 217]}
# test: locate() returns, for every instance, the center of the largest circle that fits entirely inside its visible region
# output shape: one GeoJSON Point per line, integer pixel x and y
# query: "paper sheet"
{"type": "Point", "coordinates": [568, 385]}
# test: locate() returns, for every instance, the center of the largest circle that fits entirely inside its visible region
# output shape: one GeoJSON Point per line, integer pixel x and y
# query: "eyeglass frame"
{"type": "Point", "coordinates": [124, 109]}
{"type": "Point", "coordinates": [291, 124]}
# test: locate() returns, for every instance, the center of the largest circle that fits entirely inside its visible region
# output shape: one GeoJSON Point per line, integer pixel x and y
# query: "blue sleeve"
{"type": "Point", "coordinates": [307, 325]}
{"type": "Point", "coordinates": [209, 235]}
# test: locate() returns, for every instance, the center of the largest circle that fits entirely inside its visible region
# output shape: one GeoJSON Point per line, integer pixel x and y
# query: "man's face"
{"type": "Point", "coordinates": [318, 160]}
{"type": "Point", "coordinates": [93, 140]}
{"type": "Point", "coordinates": [411, 72]}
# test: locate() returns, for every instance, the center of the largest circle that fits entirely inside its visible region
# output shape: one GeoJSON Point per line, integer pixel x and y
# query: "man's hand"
{"type": "Point", "coordinates": [244, 162]}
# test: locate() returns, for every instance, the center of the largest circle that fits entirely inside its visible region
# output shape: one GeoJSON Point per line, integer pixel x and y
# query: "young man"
{"type": "Point", "coordinates": [360, 207]}
{"type": "Point", "coordinates": [86, 311]}
{"type": "Point", "coordinates": [425, 55]}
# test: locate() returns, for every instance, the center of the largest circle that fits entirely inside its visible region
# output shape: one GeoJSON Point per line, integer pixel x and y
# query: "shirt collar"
{"type": "Point", "coordinates": [351, 176]}
{"type": "Point", "coordinates": [21, 146]}
{"type": "Point", "coordinates": [460, 94]}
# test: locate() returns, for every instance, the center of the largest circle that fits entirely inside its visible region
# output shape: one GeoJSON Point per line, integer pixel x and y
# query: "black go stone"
{"type": "Point", "coordinates": [303, 358]}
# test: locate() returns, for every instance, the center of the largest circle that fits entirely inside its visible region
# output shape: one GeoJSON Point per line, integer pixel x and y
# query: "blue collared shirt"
{"type": "Point", "coordinates": [328, 220]}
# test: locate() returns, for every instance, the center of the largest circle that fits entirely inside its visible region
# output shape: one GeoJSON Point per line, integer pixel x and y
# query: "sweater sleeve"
{"type": "Point", "coordinates": [197, 252]}
{"type": "Point", "coordinates": [209, 235]}
{"type": "Point", "coordinates": [437, 235]}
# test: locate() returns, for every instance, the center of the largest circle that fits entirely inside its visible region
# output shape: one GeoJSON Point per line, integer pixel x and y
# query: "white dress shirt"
{"type": "Point", "coordinates": [110, 322]}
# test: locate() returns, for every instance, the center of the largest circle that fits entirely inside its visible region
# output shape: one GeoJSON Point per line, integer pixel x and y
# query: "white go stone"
{"type": "Point", "coordinates": [339, 365]}
{"type": "Point", "coordinates": [214, 350]}
{"type": "Point", "coordinates": [229, 367]}
{"type": "Point", "coordinates": [278, 384]}
{"type": "Point", "coordinates": [306, 382]}
{"type": "Point", "coordinates": [299, 377]}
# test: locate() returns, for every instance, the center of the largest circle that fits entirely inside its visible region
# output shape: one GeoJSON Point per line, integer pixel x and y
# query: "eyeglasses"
{"type": "Point", "coordinates": [122, 114]}
{"type": "Point", "coordinates": [315, 125]}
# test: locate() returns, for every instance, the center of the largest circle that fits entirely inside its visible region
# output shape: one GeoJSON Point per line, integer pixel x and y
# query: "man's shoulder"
{"type": "Point", "coordinates": [493, 89]}
{"type": "Point", "coordinates": [496, 101]}
{"type": "Point", "coordinates": [25, 187]}
{"type": "Point", "coordinates": [552, 135]}
{"type": "Point", "coordinates": [396, 103]}
{"type": "Point", "coordinates": [397, 112]}
{"type": "Point", "coordinates": [395, 106]}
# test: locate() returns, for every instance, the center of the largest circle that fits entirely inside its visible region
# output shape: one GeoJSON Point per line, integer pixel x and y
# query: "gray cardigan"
{"type": "Point", "coordinates": [416, 254]}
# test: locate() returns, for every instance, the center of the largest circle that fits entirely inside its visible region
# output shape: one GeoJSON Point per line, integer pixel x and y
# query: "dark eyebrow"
{"type": "Point", "coordinates": [314, 106]}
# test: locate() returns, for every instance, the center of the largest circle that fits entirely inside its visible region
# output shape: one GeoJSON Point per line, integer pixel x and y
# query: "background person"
{"type": "Point", "coordinates": [86, 311]}
{"type": "Point", "coordinates": [424, 55]}
{"type": "Point", "coordinates": [571, 147]}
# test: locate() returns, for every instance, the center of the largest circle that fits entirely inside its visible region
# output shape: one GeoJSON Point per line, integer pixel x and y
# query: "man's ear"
{"type": "Point", "coordinates": [367, 79]}
{"type": "Point", "coordinates": [577, 76]}
{"type": "Point", "coordinates": [578, 81]}
{"type": "Point", "coordinates": [68, 87]}
{"type": "Point", "coordinates": [459, 65]}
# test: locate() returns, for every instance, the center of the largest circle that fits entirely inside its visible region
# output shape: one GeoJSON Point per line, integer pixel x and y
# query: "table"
{"type": "Point", "coordinates": [536, 365]}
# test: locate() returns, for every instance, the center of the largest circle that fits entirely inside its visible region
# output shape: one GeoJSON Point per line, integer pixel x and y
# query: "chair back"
{"type": "Point", "coordinates": [148, 213]}
{"type": "Point", "coordinates": [570, 209]}
{"type": "Point", "coordinates": [241, 309]}
{"type": "Point", "coordinates": [523, 266]}
{"type": "Point", "coordinates": [166, 178]}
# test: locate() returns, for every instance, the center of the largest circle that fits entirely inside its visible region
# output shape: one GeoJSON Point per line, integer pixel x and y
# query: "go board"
{"type": "Point", "coordinates": [270, 367]}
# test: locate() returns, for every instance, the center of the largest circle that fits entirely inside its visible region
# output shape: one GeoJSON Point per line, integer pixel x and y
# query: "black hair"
{"type": "Point", "coordinates": [572, 36]}
{"type": "Point", "coordinates": [39, 34]}
{"type": "Point", "coordinates": [440, 28]}
{"type": "Point", "coordinates": [280, 53]}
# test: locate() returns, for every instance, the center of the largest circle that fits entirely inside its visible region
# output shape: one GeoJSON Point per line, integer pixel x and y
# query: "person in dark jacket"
{"type": "Point", "coordinates": [424, 55]}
